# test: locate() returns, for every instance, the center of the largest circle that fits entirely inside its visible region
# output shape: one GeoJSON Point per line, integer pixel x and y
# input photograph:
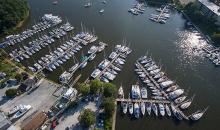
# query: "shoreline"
{"type": "Point", "coordinates": [18, 26]}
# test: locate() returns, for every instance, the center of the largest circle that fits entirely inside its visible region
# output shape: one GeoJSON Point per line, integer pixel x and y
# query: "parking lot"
{"type": "Point", "coordinates": [40, 99]}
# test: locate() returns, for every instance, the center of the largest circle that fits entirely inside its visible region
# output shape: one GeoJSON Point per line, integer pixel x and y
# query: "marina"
{"type": "Point", "coordinates": [191, 72]}
{"type": "Point", "coordinates": [162, 16]}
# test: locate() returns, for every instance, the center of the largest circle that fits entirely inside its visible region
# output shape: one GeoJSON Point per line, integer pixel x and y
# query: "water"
{"type": "Point", "coordinates": [170, 44]}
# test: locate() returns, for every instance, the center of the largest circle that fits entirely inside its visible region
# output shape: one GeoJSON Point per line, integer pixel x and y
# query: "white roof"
{"type": "Point", "coordinates": [211, 6]}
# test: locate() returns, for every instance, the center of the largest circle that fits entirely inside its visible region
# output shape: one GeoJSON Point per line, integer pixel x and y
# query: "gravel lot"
{"type": "Point", "coordinates": [70, 118]}
{"type": "Point", "coordinates": [40, 99]}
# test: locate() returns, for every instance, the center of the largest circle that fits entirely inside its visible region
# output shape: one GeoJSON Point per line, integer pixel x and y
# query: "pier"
{"type": "Point", "coordinates": [164, 94]}
{"type": "Point", "coordinates": [153, 81]}
{"type": "Point", "coordinates": [143, 100]}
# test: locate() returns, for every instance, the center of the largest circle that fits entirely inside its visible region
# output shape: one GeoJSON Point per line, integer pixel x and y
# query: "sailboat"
{"type": "Point", "coordinates": [143, 108]}
{"type": "Point", "coordinates": [198, 114]}
{"type": "Point", "coordinates": [125, 107]}
{"type": "Point", "coordinates": [148, 107]}
{"type": "Point", "coordinates": [154, 107]}
{"type": "Point", "coordinates": [136, 110]}
{"type": "Point", "coordinates": [168, 110]}
{"type": "Point", "coordinates": [101, 11]}
{"type": "Point", "coordinates": [120, 92]}
{"type": "Point", "coordinates": [187, 103]}
{"type": "Point", "coordinates": [130, 108]}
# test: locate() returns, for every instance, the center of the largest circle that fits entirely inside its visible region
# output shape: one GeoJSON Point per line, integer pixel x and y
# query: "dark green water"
{"type": "Point", "coordinates": [170, 44]}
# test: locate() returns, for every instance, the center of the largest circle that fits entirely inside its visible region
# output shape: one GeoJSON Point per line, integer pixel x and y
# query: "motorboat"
{"type": "Point", "coordinates": [14, 109]}
{"type": "Point", "coordinates": [176, 113]}
{"type": "Point", "coordinates": [65, 77]}
{"type": "Point", "coordinates": [168, 110]}
{"type": "Point", "coordinates": [143, 93]}
{"type": "Point", "coordinates": [93, 49]}
{"type": "Point", "coordinates": [143, 108]}
{"type": "Point", "coordinates": [103, 64]}
{"type": "Point", "coordinates": [101, 11]}
{"type": "Point", "coordinates": [102, 78]}
{"type": "Point", "coordinates": [21, 111]}
{"type": "Point", "coordinates": [148, 107]}
{"type": "Point", "coordinates": [162, 109]}
{"type": "Point", "coordinates": [155, 110]}
{"type": "Point", "coordinates": [130, 108]}
{"type": "Point", "coordinates": [113, 55]}
{"type": "Point", "coordinates": [95, 73]}
{"type": "Point", "coordinates": [136, 110]}
{"type": "Point", "coordinates": [135, 92]}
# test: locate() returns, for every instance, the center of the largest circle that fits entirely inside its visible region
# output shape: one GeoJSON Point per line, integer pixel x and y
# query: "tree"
{"type": "Point", "coordinates": [109, 106]}
{"type": "Point", "coordinates": [18, 77]}
{"type": "Point", "coordinates": [87, 118]}
{"type": "Point", "coordinates": [95, 86]}
{"type": "Point", "coordinates": [11, 92]}
{"type": "Point", "coordinates": [109, 90]}
{"type": "Point", "coordinates": [83, 88]}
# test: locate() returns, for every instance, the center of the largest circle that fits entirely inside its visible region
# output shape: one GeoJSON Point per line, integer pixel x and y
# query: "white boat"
{"type": "Point", "coordinates": [93, 49]}
{"type": "Point", "coordinates": [21, 111]}
{"type": "Point", "coordinates": [120, 92]}
{"type": "Point", "coordinates": [88, 5]}
{"type": "Point", "coordinates": [176, 93]}
{"type": "Point", "coordinates": [180, 99]}
{"type": "Point", "coordinates": [14, 109]}
{"type": "Point", "coordinates": [186, 104]}
{"type": "Point", "coordinates": [125, 107]}
{"type": "Point", "coordinates": [197, 115]}
{"type": "Point", "coordinates": [155, 110]}
{"type": "Point", "coordinates": [162, 109]}
{"type": "Point", "coordinates": [101, 11]}
{"type": "Point", "coordinates": [83, 65]}
{"type": "Point", "coordinates": [136, 110]}
{"type": "Point", "coordinates": [148, 107]}
{"type": "Point", "coordinates": [143, 93]}
{"type": "Point", "coordinates": [92, 57]}
{"type": "Point", "coordinates": [143, 108]}
{"type": "Point", "coordinates": [65, 77]}
{"type": "Point", "coordinates": [95, 73]}
{"type": "Point", "coordinates": [130, 108]}
{"type": "Point", "coordinates": [168, 110]}
{"type": "Point", "coordinates": [176, 113]}
{"type": "Point", "coordinates": [73, 68]}
{"type": "Point", "coordinates": [135, 92]}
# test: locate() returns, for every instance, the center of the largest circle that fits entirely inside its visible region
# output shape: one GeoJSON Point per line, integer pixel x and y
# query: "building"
{"type": "Point", "coordinates": [4, 122]}
{"type": "Point", "coordinates": [209, 9]}
{"type": "Point", "coordinates": [36, 122]}
{"type": "Point", "coordinates": [28, 84]}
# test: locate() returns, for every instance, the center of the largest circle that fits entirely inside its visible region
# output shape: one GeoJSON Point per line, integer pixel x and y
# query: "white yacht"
{"type": "Point", "coordinates": [135, 92]}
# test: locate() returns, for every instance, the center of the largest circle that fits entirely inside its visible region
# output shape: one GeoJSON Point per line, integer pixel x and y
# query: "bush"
{"type": "Point", "coordinates": [83, 88]}
{"type": "Point", "coordinates": [109, 106]}
{"type": "Point", "coordinates": [108, 124]}
{"type": "Point", "coordinates": [96, 86]}
{"type": "Point", "coordinates": [87, 118]}
{"type": "Point", "coordinates": [110, 90]}
{"type": "Point", "coordinates": [11, 92]}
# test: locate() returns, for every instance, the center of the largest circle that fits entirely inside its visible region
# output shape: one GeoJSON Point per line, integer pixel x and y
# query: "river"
{"type": "Point", "coordinates": [170, 44]}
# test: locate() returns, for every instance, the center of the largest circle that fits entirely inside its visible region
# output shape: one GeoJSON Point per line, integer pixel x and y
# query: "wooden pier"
{"type": "Point", "coordinates": [164, 94]}
{"type": "Point", "coordinates": [142, 100]}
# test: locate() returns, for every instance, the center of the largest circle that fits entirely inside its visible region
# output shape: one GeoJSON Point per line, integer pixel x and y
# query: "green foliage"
{"type": "Point", "coordinates": [73, 104]}
{"type": "Point", "coordinates": [11, 13]}
{"type": "Point", "coordinates": [109, 90]}
{"type": "Point", "coordinates": [96, 86]}
{"type": "Point", "coordinates": [109, 106]}
{"type": "Point", "coordinates": [108, 124]}
{"type": "Point", "coordinates": [11, 92]}
{"type": "Point", "coordinates": [18, 77]}
{"type": "Point", "coordinates": [83, 88]}
{"type": "Point", "coordinates": [87, 118]}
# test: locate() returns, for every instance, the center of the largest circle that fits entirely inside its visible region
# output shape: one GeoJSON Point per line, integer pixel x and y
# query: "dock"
{"type": "Point", "coordinates": [143, 100]}
{"type": "Point", "coordinates": [153, 81]}
{"type": "Point", "coordinates": [164, 94]}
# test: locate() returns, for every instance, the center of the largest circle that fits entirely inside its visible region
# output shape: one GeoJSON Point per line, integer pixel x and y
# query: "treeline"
{"type": "Point", "coordinates": [206, 24]}
{"type": "Point", "coordinates": [11, 13]}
